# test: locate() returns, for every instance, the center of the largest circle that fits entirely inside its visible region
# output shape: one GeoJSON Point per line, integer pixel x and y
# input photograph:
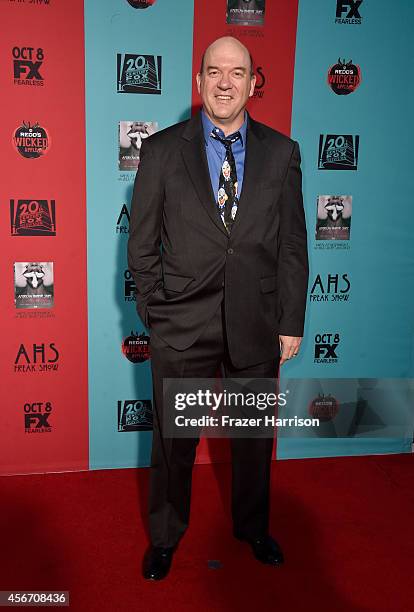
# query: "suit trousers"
{"type": "Point", "coordinates": [172, 459]}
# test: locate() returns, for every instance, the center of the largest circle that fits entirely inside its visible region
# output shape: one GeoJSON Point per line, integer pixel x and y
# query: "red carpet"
{"type": "Point", "coordinates": [345, 525]}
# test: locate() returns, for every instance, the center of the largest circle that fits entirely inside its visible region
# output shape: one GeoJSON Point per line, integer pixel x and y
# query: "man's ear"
{"type": "Point", "coordinates": [198, 81]}
{"type": "Point", "coordinates": [252, 84]}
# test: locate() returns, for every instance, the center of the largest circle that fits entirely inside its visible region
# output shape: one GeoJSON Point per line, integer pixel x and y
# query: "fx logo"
{"type": "Point", "coordinates": [130, 287]}
{"type": "Point", "coordinates": [350, 7]}
{"type": "Point", "coordinates": [36, 420]}
{"type": "Point", "coordinates": [325, 348]}
{"type": "Point", "coordinates": [36, 416]}
{"type": "Point", "coordinates": [24, 65]}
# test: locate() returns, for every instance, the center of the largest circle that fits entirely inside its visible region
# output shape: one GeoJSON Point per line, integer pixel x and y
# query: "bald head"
{"type": "Point", "coordinates": [226, 82]}
{"type": "Point", "coordinates": [229, 44]}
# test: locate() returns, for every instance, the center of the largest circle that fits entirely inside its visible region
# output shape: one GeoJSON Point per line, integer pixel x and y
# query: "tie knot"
{"type": "Point", "coordinates": [228, 141]}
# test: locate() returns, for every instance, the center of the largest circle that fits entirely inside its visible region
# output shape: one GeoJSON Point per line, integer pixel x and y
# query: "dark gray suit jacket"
{"type": "Point", "coordinates": [182, 258]}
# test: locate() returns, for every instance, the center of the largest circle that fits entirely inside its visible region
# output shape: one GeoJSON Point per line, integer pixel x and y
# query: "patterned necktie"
{"type": "Point", "coordinates": [227, 197]}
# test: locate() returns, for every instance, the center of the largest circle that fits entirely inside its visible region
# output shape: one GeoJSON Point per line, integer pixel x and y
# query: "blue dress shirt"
{"type": "Point", "coordinates": [216, 152]}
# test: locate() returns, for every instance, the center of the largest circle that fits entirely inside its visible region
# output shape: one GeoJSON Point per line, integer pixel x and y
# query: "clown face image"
{"type": "Point", "coordinates": [222, 198]}
{"type": "Point", "coordinates": [226, 170]}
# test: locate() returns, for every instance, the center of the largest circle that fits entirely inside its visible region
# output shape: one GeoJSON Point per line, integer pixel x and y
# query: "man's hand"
{"type": "Point", "coordinates": [289, 347]}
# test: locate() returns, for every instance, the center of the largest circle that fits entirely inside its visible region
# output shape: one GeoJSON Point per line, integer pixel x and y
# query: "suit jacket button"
{"type": "Point", "coordinates": [230, 251]}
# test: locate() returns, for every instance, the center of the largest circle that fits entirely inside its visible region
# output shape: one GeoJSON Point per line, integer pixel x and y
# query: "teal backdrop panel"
{"type": "Point", "coordinates": [147, 51]}
{"type": "Point", "coordinates": [374, 325]}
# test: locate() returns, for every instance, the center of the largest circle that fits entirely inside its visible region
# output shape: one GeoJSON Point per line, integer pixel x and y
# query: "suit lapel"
{"type": "Point", "coordinates": [195, 160]}
{"type": "Point", "coordinates": [254, 165]}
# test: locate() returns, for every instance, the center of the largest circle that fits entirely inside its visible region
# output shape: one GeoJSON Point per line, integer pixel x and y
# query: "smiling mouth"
{"type": "Point", "coordinates": [224, 98]}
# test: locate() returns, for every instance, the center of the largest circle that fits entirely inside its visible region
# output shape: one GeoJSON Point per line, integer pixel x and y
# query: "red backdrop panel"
{"type": "Point", "coordinates": [58, 106]}
{"type": "Point", "coordinates": [273, 49]}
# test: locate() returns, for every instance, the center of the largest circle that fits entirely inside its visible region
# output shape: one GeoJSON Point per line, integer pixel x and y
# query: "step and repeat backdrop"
{"type": "Point", "coordinates": [82, 84]}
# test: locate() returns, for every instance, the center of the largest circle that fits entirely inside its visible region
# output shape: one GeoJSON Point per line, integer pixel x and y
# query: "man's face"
{"type": "Point", "coordinates": [226, 84]}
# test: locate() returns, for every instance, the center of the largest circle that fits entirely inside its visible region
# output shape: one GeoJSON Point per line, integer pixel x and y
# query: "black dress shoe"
{"type": "Point", "coordinates": [265, 549]}
{"type": "Point", "coordinates": [157, 562]}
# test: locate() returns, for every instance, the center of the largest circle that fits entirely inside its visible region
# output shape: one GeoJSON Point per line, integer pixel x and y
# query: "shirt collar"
{"type": "Point", "coordinates": [208, 127]}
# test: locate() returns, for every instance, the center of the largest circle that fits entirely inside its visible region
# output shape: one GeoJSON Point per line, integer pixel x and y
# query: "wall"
{"type": "Point", "coordinates": [75, 367]}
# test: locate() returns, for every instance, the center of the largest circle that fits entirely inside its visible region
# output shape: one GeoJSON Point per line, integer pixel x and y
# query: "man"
{"type": "Point", "coordinates": [228, 288]}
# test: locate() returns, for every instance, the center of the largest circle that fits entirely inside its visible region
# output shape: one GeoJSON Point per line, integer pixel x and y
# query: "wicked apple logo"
{"type": "Point", "coordinates": [344, 77]}
{"type": "Point", "coordinates": [136, 347]}
{"type": "Point", "coordinates": [324, 407]}
{"type": "Point", "coordinates": [31, 141]}
{"type": "Point", "coordinates": [141, 4]}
